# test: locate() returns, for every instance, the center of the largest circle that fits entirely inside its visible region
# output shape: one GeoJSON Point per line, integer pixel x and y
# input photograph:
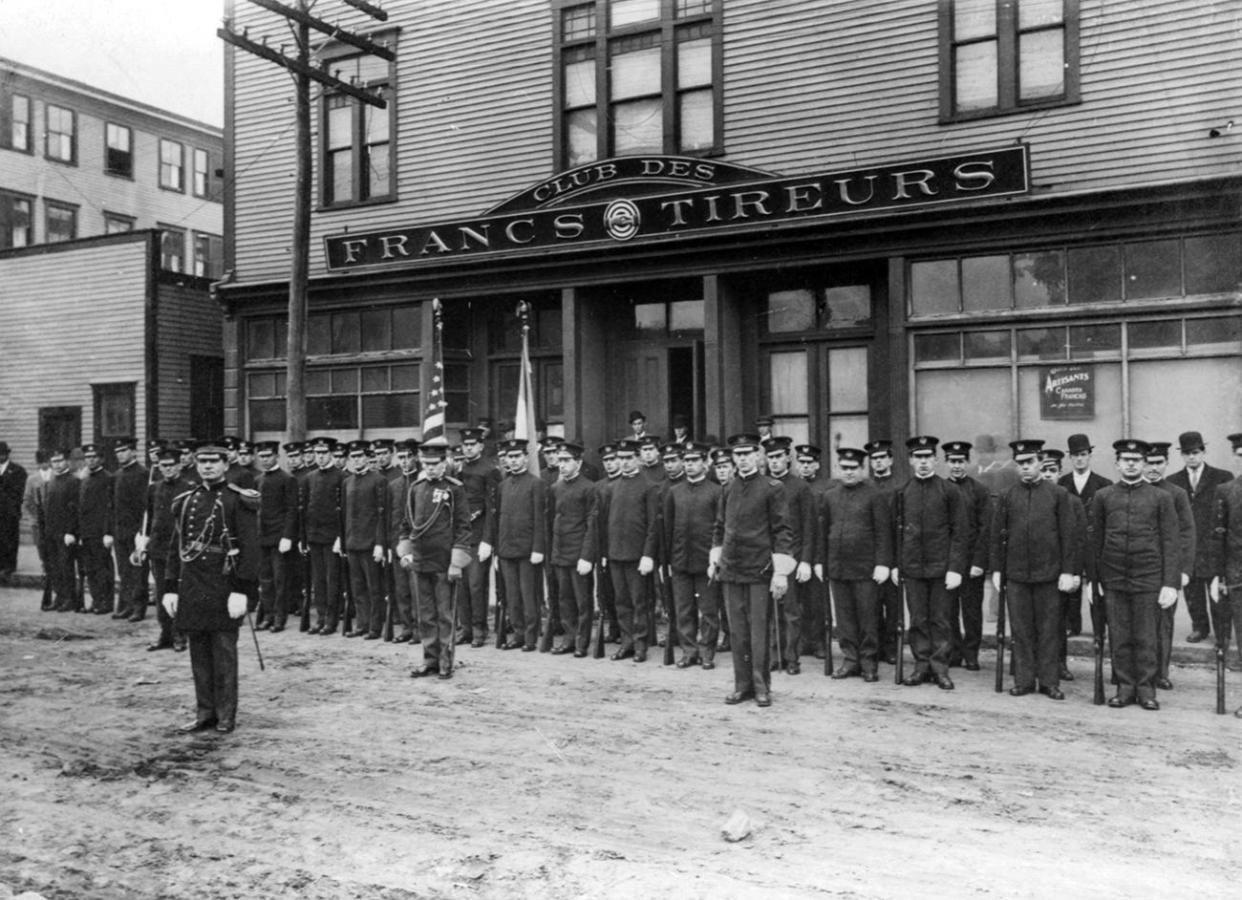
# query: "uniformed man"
{"type": "Point", "coordinates": [364, 496]}
{"type": "Point", "coordinates": [189, 469]}
{"type": "Point", "coordinates": [12, 490]}
{"type": "Point", "coordinates": [808, 461]}
{"type": "Point", "coordinates": [154, 447]}
{"type": "Point", "coordinates": [96, 529]}
{"type": "Point", "coordinates": [1135, 560]}
{"type": "Point", "coordinates": [681, 430]}
{"type": "Point", "coordinates": [435, 533]}
{"type": "Point", "coordinates": [603, 583]}
{"type": "Point", "coordinates": [750, 556]}
{"type": "Point", "coordinates": [1154, 465]}
{"type": "Point", "coordinates": [519, 536]}
{"type": "Point", "coordinates": [157, 543]}
{"type": "Point", "coordinates": [802, 516]}
{"type": "Point", "coordinates": [629, 532]}
{"type": "Point", "coordinates": [241, 475]}
{"type": "Point", "coordinates": [245, 455]}
{"type": "Point", "coordinates": [1034, 550]}
{"type": "Point", "coordinates": [202, 592]}
{"type": "Point", "coordinates": [480, 479]}
{"type": "Point", "coordinates": [297, 575]}
{"type": "Point", "coordinates": [650, 463]}
{"type": "Point", "coordinates": [690, 508]}
{"type": "Point", "coordinates": [1226, 556]}
{"type": "Point", "coordinates": [1083, 483]}
{"type": "Point", "coordinates": [572, 513]}
{"type": "Point", "coordinates": [856, 556]}
{"type": "Point", "coordinates": [278, 524]}
{"type": "Point", "coordinates": [319, 514]}
{"type": "Point", "coordinates": [722, 471]}
{"type": "Point", "coordinates": [934, 532]}
{"type": "Point", "coordinates": [966, 618]}
{"type": "Point", "coordinates": [405, 581]}
{"type": "Point", "coordinates": [129, 484]}
{"type": "Point", "coordinates": [1199, 481]}
{"type": "Point", "coordinates": [888, 601]}
{"type": "Point", "coordinates": [60, 524]}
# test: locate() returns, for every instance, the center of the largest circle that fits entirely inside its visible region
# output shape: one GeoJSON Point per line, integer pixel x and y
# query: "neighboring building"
{"type": "Point", "coordinates": [865, 217]}
{"type": "Point", "coordinates": [110, 237]}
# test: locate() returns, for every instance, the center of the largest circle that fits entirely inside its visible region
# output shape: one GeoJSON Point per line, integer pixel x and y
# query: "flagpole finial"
{"type": "Point", "coordinates": [436, 305]}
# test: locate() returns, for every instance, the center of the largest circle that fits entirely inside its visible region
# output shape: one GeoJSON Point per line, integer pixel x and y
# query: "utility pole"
{"type": "Point", "coordinates": [300, 23]}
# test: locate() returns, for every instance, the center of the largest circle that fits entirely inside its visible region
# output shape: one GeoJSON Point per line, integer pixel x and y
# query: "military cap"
{"type": "Point", "coordinates": [635, 415]}
{"type": "Point", "coordinates": [1131, 445]}
{"type": "Point", "coordinates": [777, 444]}
{"type": "Point", "coordinates": [340, 448]}
{"type": "Point", "coordinates": [851, 454]}
{"type": "Point", "coordinates": [4, 446]}
{"type": "Point", "coordinates": [228, 442]}
{"type": "Point", "coordinates": [472, 434]}
{"type": "Point", "coordinates": [125, 443]}
{"type": "Point", "coordinates": [1026, 447]}
{"type": "Point", "coordinates": [922, 443]}
{"type": "Point", "coordinates": [503, 426]}
{"type": "Point", "coordinates": [695, 450]}
{"type": "Point", "coordinates": [744, 441]}
{"type": "Point", "coordinates": [382, 444]}
{"type": "Point", "coordinates": [1158, 449]}
{"type": "Point", "coordinates": [292, 447]}
{"type": "Point", "coordinates": [808, 451]}
{"type": "Point", "coordinates": [184, 445]}
{"type": "Point", "coordinates": [956, 448]}
{"type": "Point", "coordinates": [720, 456]}
{"type": "Point", "coordinates": [216, 447]}
{"type": "Point", "coordinates": [1190, 441]}
{"type": "Point", "coordinates": [433, 449]}
{"type": "Point", "coordinates": [267, 447]}
{"type": "Point", "coordinates": [550, 443]}
{"type": "Point", "coordinates": [513, 445]}
{"type": "Point", "coordinates": [574, 450]}
{"type": "Point", "coordinates": [358, 447]}
{"type": "Point", "coordinates": [245, 446]}
{"type": "Point", "coordinates": [408, 445]}
{"type": "Point", "coordinates": [87, 449]}
{"type": "Point", "coordinates": [650, 440]}
{"type": "Point", "coordinates": [628, 445]}
{"type": "Point", "coordinates": [168, 454]}
{"type": "Point", "coordinates": [322, 444]}
{"type": "Point", "coordinates": [607, 451]}
{"type": "Point", "coordinates": [1051, 458]}
{"type": "Point", "coordinates": [764, 421]}
{"type": "Point", "coordinates": [154, 444]}
{"type": "Point", "coordinates": [878, 447]}
{"type": "Point", "coordinates": [672, 451]}
{"type": "Point", "coordinates": [1235, 440]}
{"type": "Point", "coordinates": [1079, 443]}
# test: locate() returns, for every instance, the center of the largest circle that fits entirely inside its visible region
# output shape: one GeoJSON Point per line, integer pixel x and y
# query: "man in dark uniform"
{"type": "Point", "coordinates": [157, 543]}
{"type": "Point", "coordinates": [801, 514]}
{"type": "Point", "coordinates": [1136, 561]}
{"type": "Point", "coordinates": [1226, 557]}
{"type": "Point", "coordinates": [1154, 465]}
{"type": "Point", "coordinates": [96, 527]}
{"type": "Point", "coordinates": [241, 475]}
{"type": "Point", "coordinates": [129, 484]}
{"type": "Point", "coordinates": [750, 556]}
{"type": "Point", "coordinates": [603, 583]}
{"type": "Point", "coordinates": [1083, 484]}
{"type": "Point", "coordinates": [319, 514]}
{"type": "Point", "coordinates": [435, 531]}
{"type": "Point", "coordinates": [934, 533]}
{"type": "Point", "coordinates": [12, 491]}
{"type": "Point", "coordinates": [405, 581]}
{"type": "Point", "coordinates": [966, 618]}
{"type": "Point", "coordinates": [690, 508]}
{"type": "Point", "coordinates": [519, 534]}
{"type": "Point", "coordinates": [722, 472]}
{"type": "Point", "coordinates": [60, 524]}
{"type": "Point", "coordinates": [296, 564]}
{"type": "Point", "coordinates": [888, 601]}
{"type": "Point", "coordinates": [1035, 549]}
{"type": "Point", "coordinates": [202, 592]}
{"type": "Point", "coordinates": [650, 463]}
{"type": "Point", "coordinates": [856, 556]}
{"type": "Point", "coordinates": [572, 514]}
{"type": "Point", "coordinates": [1199, 481]}
{"type": "Point", "coordinates": [277, 527]}
{"type": "Point", "coordinates": [807, 459]}
{"type": "Point", "coordinates": [480, 479]}
{"type": "Point", "coordinates": [364, 497]}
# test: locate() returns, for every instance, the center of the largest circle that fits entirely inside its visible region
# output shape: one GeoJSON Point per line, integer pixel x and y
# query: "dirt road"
{"type": "Point", "coordinates": [530, 775]}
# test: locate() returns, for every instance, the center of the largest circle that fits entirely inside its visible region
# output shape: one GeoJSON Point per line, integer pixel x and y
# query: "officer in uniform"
{"type": "Point", "coordinates": [802, 515]}
{"type": "Point", "coordinates": [690, 508]}
{"type": "Point", "coordinates": [751, 557]}
{"type": "Point", "coordinates": [480, 479]}
{"type": "Point", "coordinates": [603, 584]}
{"type": "Point", "coordinates": [519, 534]}
{"type": "Point", "coordinates": [807, 458]}
{"type": "Point", "coordinates": [96, 527]}
{"type": "Point", "coordinates": [856, 556]}
{"type": "Point", "coordinates": [1153, 473]}
{"type": "Point", "coordinates": [880, 461]}
{"type": "Point", "coordinates": [1034, 548]}
{"type": "Point", "coordinates": [157, 543]}
{"type": "Point", "coordinates": [1136, 561]}
{"type": "Point", "coordinates": [967, 614]}
{"type": "Point", "coordinates": [405, 581]}
{"type": "Point", "coordinates": [364, 498]}
{"type": "Point", "coordinates": [1199, 481]}
{"type": "Point", "coordinates": [434, 539]}
{"type": "Point", "coordinates": [573, 518]}
{"type": "Point", "coordinates": [1226, 556]}
{"type": "Point", "coordinates": [202, 592]}
{"type": "Point", "coordinates": [129, 485]}
{"type": "Point", "coordinates": [722, 471]}
{"type": "Point", "coordinates": [297, 565]}
{"type": "Point", "coordinates": [319, 514]}
{"type": "Point", "coordinates": [934, 535]}
{"type": "Point", "coordinates": [277, 527]}
{"type": "Point", "coordinates": [60, 524]}
{"type": "Point", "coordinates": [12, 491]}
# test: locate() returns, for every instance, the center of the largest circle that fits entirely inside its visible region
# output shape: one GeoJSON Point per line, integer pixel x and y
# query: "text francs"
{"type": "Point", "coordinates": [637, 217]}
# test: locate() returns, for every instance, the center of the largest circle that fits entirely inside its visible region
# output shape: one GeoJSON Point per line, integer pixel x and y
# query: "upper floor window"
{"type": "Point", "coordinates": [16, 123]}
{"type": "Point", "coordinates": [115, 223]}
{"type": "Point", "coordinates": [200, 178]}
{"type": "Point", "coordinates": [172, 249]}
{"type": "Point", "coordinates": [208, 255]}
{"type": "Point", "coordinates": [648, 69]}
{"type": "Point", "coordinates": [357, 137]}
{"type": "Point", "coordinates": [172, 165]}
{"type": "Point", "coordinates": [1003, 56]}
{"type": "Point", "coordinates": [16, 229]}
{"type": "Point", "coordinates": [61, 223]}
{"type": "Point", "coordinates": [119, 150]}
{"type": "Point", "coordinates": [62, 134]}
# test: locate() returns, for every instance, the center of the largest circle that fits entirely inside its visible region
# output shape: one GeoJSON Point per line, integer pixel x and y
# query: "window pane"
{"type": "Point", "coordinates": [580, 83]}
{"type": "Point", "coordinates": [986, 346]}
{"type": "Point", "coordinates": [578, 21]}
{"type": "Point", "coordinates": [934, 287]}
{"type": "Point", "coordinates": [985, 283]}
{"type": "Point", "coordinates": [846, 306]}
{"type": "Point", "coordinates": [986, 421]}
{"type": "Point", "coordinates": [694, 63]}
{"type": "Point", "coordinates": [636, 73]}
{"type": "Point", "coordinates": [1041, 64]}
{"type": "Point", "coordinates": [1039, 279]}
{"type": "Point", "coordinates": [1213, 263]}
{"type": "Point", "coordinates": [1094, 274]}
{"type": "Point", "coordinates": [457, 377]}
{"type": "Point", "coordinates": [378, 170]}
{"type": "Point", "coordinates": [847, 379]}
{"type": "Point", "coordinates": [974, 76]}
{"type": "Point", "coordinates": [375, 329]}
{"type": "Point", "coordinates": [1089, 341]}
{"type": "Point", "coordinates": [844, 431]}
{"type": "Point", "coordinates": [696, 118]}
{"type": "Point", "coordinates": [375, 379]}
{"type": "Point", "coordinates": [650, 317]}
{"type": "Point", "coordinates": [580, 126]}
{"type": "Point", "coordinates": [340, 127]}
{"type": "Point", "coordinates": [317, 381]}
{"type": "Point", "coordinates": [791, 311]}
{"type": "Point", "coordinates": [639, 127]}
{"type": "Point", "coordinates": [319, 335]}
{"type": "Point", "coordinates": [796, 428]}
{"type": "Point", "coordinates": [341, 164]}
{"type": "Point", "coordinates": [404, 378]}
{"type": "Point", "coordinates": [261, 339]}
{"type": "Point", "coordinates": [1041, 343]}
{"type": "Point", "coordinates": [346, 336]}
{"type": "Point", "coordinates": [267, 415]}
{"type": "Point", "coordinates": [1153, 269]}
{"type": "Point", "coordinates": [1033, 13]}
{"type": "Point", "coordinates": [375, 123]}
{"type": "Point", "coordinates": [1104, 426]}
{"type": "Point", "coordinates": [261, 384]}
{"type": "Point", "coordinates": [406, 327]}
{"type": "Point", "coordinates": [1205, 387]}
{"type": "Point", "coordinates": [345, 381]}
{"type": "Point", "coordinates": [390, 411]}
{"type": "Point", "coordinates": [937, 347]}
{"type": "Point", "coordinates": [973, 19]}
{"type": "Point", "coordinates": [331, 413]}
{"type": "Point", "coordinates": [789, 383]}
{"type": "Point", "coordinates": [548, 326]}
{"type": "Point", "coordinates": [1223, 335]}
{"type": "Point", "coordinates": [692, 7]}
{"type": "Point", "coordinates": [626, 12]}
{"type": "Point", "coordinates": [685, 315]}
{"type": "Point", "coordinates": [1151, 335]}
{"type": "Point", "coordinates": [551, 389]}
{"type": "Point", "coordinates": [372, 69]}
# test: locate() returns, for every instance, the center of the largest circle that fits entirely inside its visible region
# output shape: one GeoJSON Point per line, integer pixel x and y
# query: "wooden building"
{"type": "Point", "coordinates": [866, 218]}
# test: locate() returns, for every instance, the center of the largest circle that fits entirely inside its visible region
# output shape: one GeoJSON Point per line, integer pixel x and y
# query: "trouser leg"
{"type": "Point", "coordinates": [1164, 639]}
{"type": "Point", "coordinates": [1197, 601]}
{"type": "Point", "coordinates": [848, 621]}
{"type": "Point", "coordinates": [1024, 629]}
{"type": "Point", "coordinates": [435, 616]}
{"type": "Point", "coordinates": [918, 602]}
{"type": "Point", "coordinates": [473, 614]}
{"type": "Point", "coordinates": [100, 573]}
{"type": "Point", "coordinates": [707, 593]}
{"type": "Point", "coordinates": [1049, 633]}
{"type": "Point", "coordinates": [686, 612]}
{"type": "Point", "coordinates": [791, 623]}
{"type": "Point", "coordinates": [970, 603]}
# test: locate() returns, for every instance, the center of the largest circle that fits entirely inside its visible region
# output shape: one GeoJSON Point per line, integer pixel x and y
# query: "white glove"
{"type": "Point", "coordinates": [584, 567]}
{"type": "Point", "coordinates": [996, 581]}
{"type": "Point", "coordinates": [107, 541]}
{"type": "Point", "coordinates": [779, 585]}
{"type": "Point", "coordinates": [975, 571]}
{"type": "Point", "coordinates": [284, 546]}
{"type": "Point", "coordinates": [880, 574]}
{"type": "Point", "coordinates": [169, 602]}
{"type": "Point", "coordinates": [1185, 579]}
{"type": "Point", "coordinates": [952, 581]}
{"type": "Point", "coordinates": [70, 540]}
{"type": "Point", "coordinates": [646, 565]}
{"type": "Point", "coordinates": [485, 551]}
{"type": "Point", "coordinates": [336, 547]}
{"type": "Point", "coordinates": [1065, 582]}
{"type": "Point", "coordinates": [819, 571]}
{"type": "Point", "coordinates": [407, 561]}
{"type": "Point", "coordinates": [237, 605]}
{"type": "Point", "coordinates": [1075, 582]}
{"type": "Point", "coordinates": [894, 576]}
{"type": "Point", "coordinates": [1213, 587]}
{"type": "Point", "coordinates": [140, 543]}
{"type": "Point", "coordinates": [803, 573]}
{"type": "Point", "coordinates": [536, 559]}
{"type": "Point", "coordinates": [377, 553]}
{"type": "Point", "coordinates": [1168, 596]}
{"type": "Point", "coordinates": [454, 573]}
{"type": "Point", "coordinates": [1088, 592]}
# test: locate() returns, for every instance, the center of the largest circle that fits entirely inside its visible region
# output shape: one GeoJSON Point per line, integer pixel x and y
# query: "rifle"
{"type": "Point", "coordinates": [387, 573]}
{"type": "Point", "coordinates": [827, 629]}
{"type": "Point", "coordinates": [670, 636]}
{"type": "Point", "coordinates": [347, 605]}
{"type": "Point", "coordinates": [449, 651]}
{"type": "Point", "coordinates": [774, 634]}
{"type": "Point", "coordinates": [549, 631]}
{"type": "Point", "coordinates": [597, 643]}
{"type": "Point", "coordinates": [502, 614]}
{"type": "Point", "coordinates": [1224, 621]}
{"type": "Point", "coordinates": [1002, 599]}
{"type": "Point", "coordinates": [304, 625]}
{"type": "Point", "coordinates": [1099, 623]}
{"type": "Point", "coordinates": [899, 674]}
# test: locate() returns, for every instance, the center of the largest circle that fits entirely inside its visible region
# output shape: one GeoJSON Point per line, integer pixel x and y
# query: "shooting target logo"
{"type": "Point", "coordinates": [622, 220]}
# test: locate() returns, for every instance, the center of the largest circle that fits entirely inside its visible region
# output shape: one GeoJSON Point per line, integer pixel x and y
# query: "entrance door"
{"type": "Point", "coordinates": [817, 393]}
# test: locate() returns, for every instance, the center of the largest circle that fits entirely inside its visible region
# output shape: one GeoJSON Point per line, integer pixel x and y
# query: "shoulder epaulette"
{"type": "Point", "coordinates": [248, 493]}
{"type": "Point", "coordinates": [451, 479]}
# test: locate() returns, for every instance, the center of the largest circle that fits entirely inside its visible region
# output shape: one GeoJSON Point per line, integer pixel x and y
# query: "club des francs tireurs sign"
{"type": "Point", "coordinates": [651, 198]}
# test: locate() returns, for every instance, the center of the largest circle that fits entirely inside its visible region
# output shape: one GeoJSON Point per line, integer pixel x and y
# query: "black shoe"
{"type": "Point", "coordinates": [1016, 691]}
{"type": "Point", "coordinates": [623, 653]}
{"type": "Point", "coordinates": [179, 645]}
{"type": "Point", "coordinates": [477, 642]}
{"type": "Point", "coordinates": [1052, 693]}
{"type": "Point", "coordinates": [304, 626]}
{"type": "Point", "coordinates": [162, 644]}
{"type": "Point", "coordinates": [793, 668]}
{"type": "Point", "coordinates": [424, 670]}
{"type": "Point", "coordinates": [197, 725]}
{"type": "Point", "coordinates": [890, 658]}
{"type": "Point", "coordinates": [402, 638]}
{"type": "Point", "coordinates": [640, 654]}
{"type": "Point", "coordinates": [462, 636]}
{"type": "Point", "coordinates": [579, 654]}
{"type": "Point", "coordinates": [561, 651]}
{"type": "Point", "coordinates": [944, 682]}
{"type": "Point", "coordinates": [914, 680]}
{"type": "Point", "coordinates": [870, 677]}
{"type": "Point", "coordinates": [529, 648]}
{"type": "Point", "coordinates": [1117, 701]}
{"type": "Point", "coordinates": [224, 728]}
{"type": "Point", "coordinates": [1065, 674]}
{"type": "Point", "coordinates": [763, 699]}
{"type": "Point", "coordinates": [277, 629]}
{"type": "Point", "coordinates": [1164, 684]}
{"type": "Point", "coordinates": [1149, 703]}
{"type": "Point", "coordinates": [738, 696]}
{"type": "Point", "coordinates": [137, 616]}
{"type": "Point", "coordinates": [371, 636]}
{"type": "Point", "coordinates": [724, 646]}
{"type": "Point", "coordinates": [709, 664]}
{"type": "Point", "coordinates": [121, 613]}
{"type": "Point", "coordinates": [687, 661]}
{"type": "Point", "coordinates": [1195, 637]}
{"type": "Point", "coordinates": [971, 665]}
{"type": "Point", "coordinates": [847, 672]}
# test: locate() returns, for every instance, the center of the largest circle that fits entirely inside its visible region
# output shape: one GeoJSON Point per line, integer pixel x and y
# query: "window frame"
{"type": "Point", "coordinates": [168, 232]}
{"type": "Point", "coordinates": [109, 169]}
{"type": "Point", "coordinates": [48, 134]}
{"type": "Point", "coordinates": [120, 219]}
{"type": "Point", "coordinates": [210, 263]}
{"type": "Point", "coordinates": [179, 187]}
{"type": "Point", "coordinates": [1008, 101]}
{"type": "Point", "coordinates": [197, 153]}
{"type": "Point", "coordinates": [668, 26]}
{"type": "Point", "coordinates": [387, 86]}
{"type": "Point", "coordinates": [50, 206]}
{"type": "Point", "coordinates": [7, 201]}
{"type": "Point", "coordinates": [8, 117]}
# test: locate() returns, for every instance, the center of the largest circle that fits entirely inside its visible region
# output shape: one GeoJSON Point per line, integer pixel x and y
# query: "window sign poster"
{"type": "Point", "coordinates": [1067, 392]}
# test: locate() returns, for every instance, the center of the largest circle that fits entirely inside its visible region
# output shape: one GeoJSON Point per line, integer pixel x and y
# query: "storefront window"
{"type": "Point", "coordinates": [1213, 263]}
{"type": "Point", "coordinates": [1153, 269]}
{"type": "Point", "coordinates": [650, 317]}
{"type": "Point", "coordinates": [934, 287]}
{"type": "Point", "coordinates": [1166, 335]}
{"type": "Point", "coordinates": [1039, 279]}
{"type": "Point", "coordinates": [986, 346]}
{"type": "Point", "coordinates": [1094, 274]}
{"type": "Point", "coordinates": [1218, 335]}
{"type": "Point", "coordinates": [966, 405]}
{"type": "Point", "coordinates": [790, 395]}
{"type": "Point", "coordinates": [847, 306]}
{"type": "Point", "coordinates": [1041, 343]}
{"type": "Point", "coordinates": [791, 311]}
{"type": "Point", "coordinates": [931, 348]}
{"type": "Point", "coordinates": [1090, 341]}
{"type": "Point", "coordinates": [686, 315]}
{"type": "Point", "coordinates": [1103, 424]}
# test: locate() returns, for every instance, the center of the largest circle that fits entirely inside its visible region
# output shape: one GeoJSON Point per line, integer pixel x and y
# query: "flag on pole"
{"type": "Point", "coordinates": [433, 420]}
{"type": "Point", "coordinates": [524, 427]}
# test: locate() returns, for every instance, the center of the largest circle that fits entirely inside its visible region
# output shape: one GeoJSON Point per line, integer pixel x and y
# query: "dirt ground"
{"type": "Point", "coordinates": [531, 775]}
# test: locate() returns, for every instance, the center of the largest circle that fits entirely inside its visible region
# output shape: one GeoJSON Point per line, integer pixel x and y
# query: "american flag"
{"type": "Point", "coordinates": [433, 419]}
{"type": "Point", "coordinates": [525, 426]}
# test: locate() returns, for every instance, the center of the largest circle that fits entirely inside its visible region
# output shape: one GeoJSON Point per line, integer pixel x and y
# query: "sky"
{"type": "Point", "coordinates": [161, 52]}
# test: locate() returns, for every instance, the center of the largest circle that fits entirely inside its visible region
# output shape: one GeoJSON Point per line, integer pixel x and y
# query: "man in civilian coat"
{"type": "Point", "coordinates": [966, 618]}
{"type": "Point", "coordinates": [519, 537]}
{"type": "Point", "coordinates": [690, 509]}
{"type": "Point", "coordinates": [12, 490]}
{"type": "Point", "coordinates": [1154, 466]}
{"type": "Point", "coordinates": [1226, 557]}
{"type": "Point", "coordinates": [96, 527]}
{"type": "Point", "coordinates": [1199, 481]}
{"type": "Point", "coordinates": [157, 543]}
{"type": "Point", "coordinates": [364, 498]}
{"type": "Point", "coordinates": [129, 483]}
{"type": "Point", "coordinates": [60, 524]}
{"type": "Point", "coordinates": [319, 515]}
{"type": "Point", "coordinates": [1083, 483]}
{"type": "Point", "coordinates": [801, 514]}
{"type": "Point", "coordinates": [572, 513]}
{"type": "Point", "coordinates": [278, 530]}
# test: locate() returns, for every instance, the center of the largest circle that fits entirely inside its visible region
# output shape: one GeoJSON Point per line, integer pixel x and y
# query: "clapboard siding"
{"type": "Point", "coordinates": [808, 84]}
{"type": "Point", "coordinates": [188, 324]}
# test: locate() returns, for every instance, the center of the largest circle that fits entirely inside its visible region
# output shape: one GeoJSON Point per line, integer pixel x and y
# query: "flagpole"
{"type": "Point", "coordinates": [524, 422]}
{"type": "Point", "coordinates": [437, 403]}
